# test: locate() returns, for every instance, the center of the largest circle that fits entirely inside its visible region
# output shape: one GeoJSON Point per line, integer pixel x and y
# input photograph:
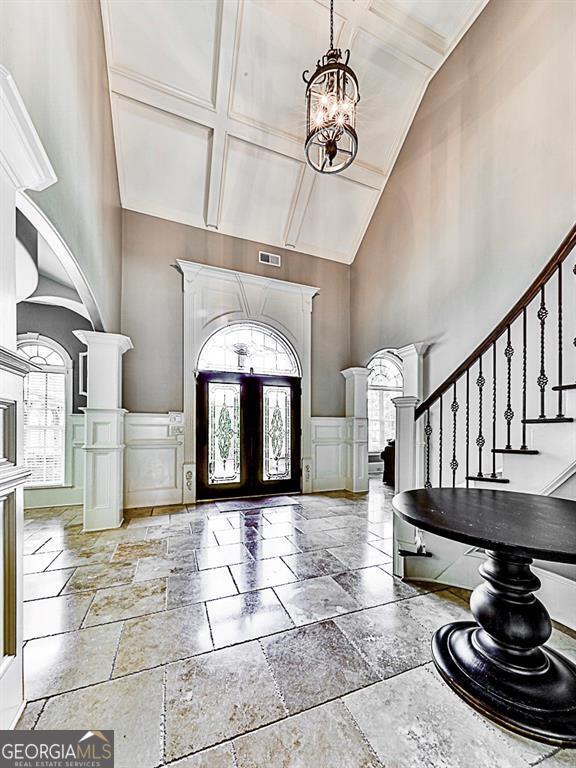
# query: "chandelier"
{"type": "Point", "coordinates": [331, 98]}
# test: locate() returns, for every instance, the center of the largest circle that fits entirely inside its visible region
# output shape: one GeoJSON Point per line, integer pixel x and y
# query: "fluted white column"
{"type": "Point", "coordinates": [104, 430]}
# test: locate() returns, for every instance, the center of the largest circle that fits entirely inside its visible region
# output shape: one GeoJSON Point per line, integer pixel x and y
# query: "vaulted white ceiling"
{"type": "Point", "coordinates": [208, 109]}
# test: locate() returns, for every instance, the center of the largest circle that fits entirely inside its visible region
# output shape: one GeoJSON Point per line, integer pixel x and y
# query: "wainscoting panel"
{"type": "Point", "coordinates": [72, 491]}
{"type": "Point", "coordinates": [153, 459]}
{"type": "Point", "coordinates": [330, 450]}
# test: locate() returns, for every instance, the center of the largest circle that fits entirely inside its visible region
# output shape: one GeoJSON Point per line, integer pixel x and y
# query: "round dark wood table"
{"type": "Point", "coordinates": [498, 664]}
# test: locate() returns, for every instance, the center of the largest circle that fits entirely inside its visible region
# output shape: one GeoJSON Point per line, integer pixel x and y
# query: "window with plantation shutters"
{"type": "Point", "coordinates": [44, 415]}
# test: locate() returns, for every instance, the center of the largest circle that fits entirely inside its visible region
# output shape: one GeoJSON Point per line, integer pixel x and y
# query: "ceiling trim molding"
{"type": "Point", "coordinates": [22, 154]}
{"type": "Point", "coordinates": [413, 45]}
{"type": "Point", "coordinates": [191, 269]}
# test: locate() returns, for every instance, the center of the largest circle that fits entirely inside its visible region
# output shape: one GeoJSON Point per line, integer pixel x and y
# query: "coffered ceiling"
{"type": "Point", "coordinates": [208, 109]}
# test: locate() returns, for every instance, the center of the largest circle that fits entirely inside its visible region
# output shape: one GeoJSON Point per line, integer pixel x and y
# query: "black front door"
{"type": "Point", "coordinates": [248, 435]}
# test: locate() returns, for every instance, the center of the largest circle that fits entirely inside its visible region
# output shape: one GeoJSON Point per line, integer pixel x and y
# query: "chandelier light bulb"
{"type": "Point", "coordinates": [331, 98]}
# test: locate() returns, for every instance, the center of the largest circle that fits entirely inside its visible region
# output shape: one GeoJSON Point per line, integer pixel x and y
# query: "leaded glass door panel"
{"type": "Point", "coordinates": [248, 435]}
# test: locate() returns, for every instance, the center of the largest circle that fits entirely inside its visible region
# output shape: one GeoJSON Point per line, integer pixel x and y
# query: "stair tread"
{"type": "Point", "coordinates": [518, 451]}
{"type": "Point", "coordinates": [488, 479]}
{"type": "Point", "coordinates": [552, 420]}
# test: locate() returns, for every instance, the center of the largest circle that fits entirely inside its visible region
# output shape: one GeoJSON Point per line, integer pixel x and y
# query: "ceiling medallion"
{"type": "Point", "coordinates": [331, 98]}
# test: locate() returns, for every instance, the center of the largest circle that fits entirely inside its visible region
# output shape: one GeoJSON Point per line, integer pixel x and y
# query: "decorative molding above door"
{"type": "Point", "coordinates": [214, 298]}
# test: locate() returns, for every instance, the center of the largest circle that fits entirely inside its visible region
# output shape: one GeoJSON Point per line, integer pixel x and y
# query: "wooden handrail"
{"type": "Point", "coordinates": [561, 253]}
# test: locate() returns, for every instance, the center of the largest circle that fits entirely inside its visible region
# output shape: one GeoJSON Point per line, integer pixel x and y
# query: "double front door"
{"type": "Point", "coordinates": [248, 435]}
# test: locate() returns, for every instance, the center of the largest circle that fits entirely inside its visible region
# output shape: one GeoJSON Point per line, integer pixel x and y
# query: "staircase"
{"type": "Point", "coordinates": [503, 419]}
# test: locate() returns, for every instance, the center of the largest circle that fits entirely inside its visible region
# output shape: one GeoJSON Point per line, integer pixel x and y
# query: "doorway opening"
{"type": "Point", "coordinates": [248, 414]}
{"type": "Point", "coordinates": [385, 382]}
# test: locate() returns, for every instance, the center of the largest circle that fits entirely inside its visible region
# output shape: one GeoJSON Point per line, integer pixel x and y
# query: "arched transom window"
{"type": "Point", "coordinates": [248, 348]}
{"type": "Point", "coordinates": [45, 407]}
{"type": "Point", "coordinates": [384, 383]}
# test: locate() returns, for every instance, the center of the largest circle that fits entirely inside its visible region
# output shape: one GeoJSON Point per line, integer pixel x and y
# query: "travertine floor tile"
{"type": "Point", "coordinates": [99, 576]}
{"type": "Point", "coordinates": [47, 584]}
{"type": "Point", "coordinates": [315, 663]}
{"type": "Point", "coordinates": [30, 716]}
{"type": "Point", "coordinates": [373, 586]}
{"type": "Point", "coordinates": [71, 558]}
{"type": "Point", "coordinates": [167, 565]}
{"type": "Point", "coordinates": [388, 637]}
{"type": "Point", "coordinates": [318, 562]}
{"type": "Point", "coordinates": [149, 641]}
{"type": "Point", "coordinates": [229, 554]}
{"type": "Point", "coordinates": [55, 614]}
{"type": "Point", "coordinates": [325, 737]}
{"type": "Point", "coordinates": [130, 706]}
{"type": "Point", "coordinates": [184, 588]}
{"type": "Point", "coordinates": [263, 549]}
{"type": "Point", "coordinates": [132, 550]}
{"type": "Point", "coordinates": [315, 599]}
{"type": "Point", "coordinates": [116, 603]}
{"type": "Point", "coordinates": [257, 574]}
{"type": "Point", "coordinates": [359, 555]}
{"type": "Point", "coordinates": [216, 696]}
{"type": "Point", "coordinates": [416, 720]}
{"type": "Point", "coordinates": [246, 616]}
{"type": "Point", "coordinates": [38, 563]}
{"type": "Point", "coordinates": [216, 757]}
{"type": "Point", "coordinates": [71, 660]}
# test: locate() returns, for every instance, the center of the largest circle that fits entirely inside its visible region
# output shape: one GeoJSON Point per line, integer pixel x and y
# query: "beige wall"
{"type": "Point", "coordinates": [483, 191]}
{"type": "Point", "coordinates": [54, 50]}
{"type": "Point", "coordinates": [152, 309]}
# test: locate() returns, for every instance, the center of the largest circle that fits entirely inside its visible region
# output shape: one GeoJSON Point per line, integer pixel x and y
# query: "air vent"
{"type": "Point", "coordinates": [273, 259]}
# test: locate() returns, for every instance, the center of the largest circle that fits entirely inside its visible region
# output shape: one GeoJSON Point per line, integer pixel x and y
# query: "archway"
{"type": "Point", "coordinates": [248, 417]}
{"type": "Point", "coordinates": [385, 382]}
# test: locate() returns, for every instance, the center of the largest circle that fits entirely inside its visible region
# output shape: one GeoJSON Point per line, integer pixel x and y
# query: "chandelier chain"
{"type": "Point", "coordinates": [331, 24]}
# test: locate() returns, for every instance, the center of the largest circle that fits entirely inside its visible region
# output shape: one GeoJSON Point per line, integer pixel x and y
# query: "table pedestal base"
{"type": "Point", "coordinates": [499, 666]}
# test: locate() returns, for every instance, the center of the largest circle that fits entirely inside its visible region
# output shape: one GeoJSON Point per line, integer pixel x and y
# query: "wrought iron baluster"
{"type": "Point", "coordinates": [480, 441]}
{"type": "Point", "coordinates": [560, 414]}
{"type": "Point", "coordinates": [428, 433]}
{"type": "Point", "coordinates": [454, 463]}
{"type": "Point", "coordinates": [493, 473]}
{"type": "Point", "coordinates": [440, 441]}
{"type": "Point", "coordinates": [508, 413]}
{"type": "Point", "coordinates": [467, 426]}
{"type": "Point", "coordinates": [574, 272]}
{"type": "Point", "coordinates": [542, 379]}
{"type": "Point", "coordinates": [524, 447]}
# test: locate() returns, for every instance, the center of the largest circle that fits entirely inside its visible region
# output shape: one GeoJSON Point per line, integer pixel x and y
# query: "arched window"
{"type": "Point", "coordinates": [248, 348]}
{"type": "Point", "coordinates": [47, 394]}
{"type": "Point", "coordinates": [384, 383]}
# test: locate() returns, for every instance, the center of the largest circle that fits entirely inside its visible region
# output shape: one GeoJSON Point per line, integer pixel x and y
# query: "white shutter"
{"type": "Point", "coordinates": [44, 426]}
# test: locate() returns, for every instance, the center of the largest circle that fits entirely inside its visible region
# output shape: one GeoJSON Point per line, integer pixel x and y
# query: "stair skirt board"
{"type": "Point", "coordinates": [558, 593]}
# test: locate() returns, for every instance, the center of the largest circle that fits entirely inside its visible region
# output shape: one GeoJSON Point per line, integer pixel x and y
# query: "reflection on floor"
{"type": "Point", "coordinates": [252, 636]}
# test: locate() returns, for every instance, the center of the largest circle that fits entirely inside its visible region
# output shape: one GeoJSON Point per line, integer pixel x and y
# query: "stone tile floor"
{"type": "Point", "coordinates": [254, 634]}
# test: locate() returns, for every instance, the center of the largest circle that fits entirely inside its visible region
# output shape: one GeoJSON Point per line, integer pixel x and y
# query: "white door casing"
{"type": "Point", "coordinates": [23, 165]}
{"type": "Point", "coordinates": [214, 298]}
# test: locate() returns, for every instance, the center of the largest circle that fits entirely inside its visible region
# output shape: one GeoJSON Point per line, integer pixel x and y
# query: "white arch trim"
{"type": "Point", "coordinates": [38, 338]}
{"type": "Point", "coordinates": [267, 329]}
{"type": "Point", "coordinates": [214, 298]}
{"type": "Point", "coordinates": [44, 226]}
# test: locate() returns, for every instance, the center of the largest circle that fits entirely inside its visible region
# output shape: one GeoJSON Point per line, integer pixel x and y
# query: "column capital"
{"type": "Point", "coordinates": [117, 340]}
{"type": "Point", "coordinates": [355, 372]}
{"type": "Point", "coordinates": [407, 401]}
{"type": "Point", "coordinates": [419, 349]}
